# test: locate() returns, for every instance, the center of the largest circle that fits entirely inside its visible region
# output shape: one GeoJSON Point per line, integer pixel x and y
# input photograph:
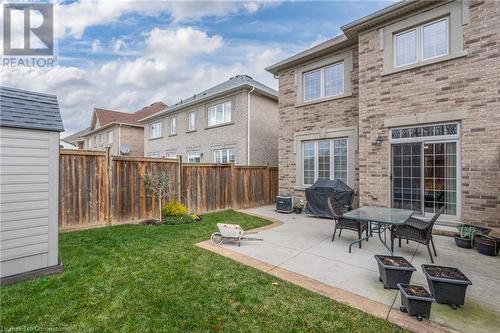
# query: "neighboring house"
{"type": "Point", "coordinates": [119, 130]}
{"type": "Point", "coordinates": [235, 120]}
{"type": "Point", "coordinates": [77, 138]}
{"type": "Point", "coordinates": [404, 107]}
{"type": "Point", "coordinates": [30, 124]}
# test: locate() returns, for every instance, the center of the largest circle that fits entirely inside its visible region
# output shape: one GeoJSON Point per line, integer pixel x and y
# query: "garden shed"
{"type": "Point", "coordinates": [30, 124]}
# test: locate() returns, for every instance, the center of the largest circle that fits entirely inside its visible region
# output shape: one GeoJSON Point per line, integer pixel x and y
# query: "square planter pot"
{"type": "Point", "coordinates": [489, 246]}
{"type": "Point", "coordinates": [418, 305]}
{"type": "Point", "coordinates": [394, 270]}
{"type": "Point", "coordinates": [447, 284]}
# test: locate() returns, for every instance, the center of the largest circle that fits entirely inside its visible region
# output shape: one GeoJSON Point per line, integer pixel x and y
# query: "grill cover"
{"type": "Point", "coordinates": [317, 196]}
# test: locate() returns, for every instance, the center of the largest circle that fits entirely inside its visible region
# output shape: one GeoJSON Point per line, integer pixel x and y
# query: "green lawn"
{"type": "Point", "coordinates": [152, 278]}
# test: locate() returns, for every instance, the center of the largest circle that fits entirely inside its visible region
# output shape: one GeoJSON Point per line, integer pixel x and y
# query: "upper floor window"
{"type": "Point", "coordinates": [324, 82]}
{"type": "Point", "coordinates": [173, 125]}
{"type": "Point", "coordinates": [89, 143]}
{"type": "Point", "coordinates": [219, 114]}
{"type": "Point", "coordinates": [110, 136]}
{"type": "Point", "coordinates": [223, 155]}
{"type": "Point", "coordinates": [155, 130]}
{"type": "Point", "coordinates": [421, 43]}
{"type": "Point", "coordinates": [101, 139]}
{"type": "Point", "coordinates": [191, 121]}
{"type": "Point", "coordinates": [95, 141]}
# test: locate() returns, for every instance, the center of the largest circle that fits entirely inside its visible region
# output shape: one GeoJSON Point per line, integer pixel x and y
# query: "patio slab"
{"type": "Point", "coordinates": [302, 245]}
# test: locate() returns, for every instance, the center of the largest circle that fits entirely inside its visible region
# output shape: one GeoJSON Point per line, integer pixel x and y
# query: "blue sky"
{"type": "Point", "coordinates": [125, 55]}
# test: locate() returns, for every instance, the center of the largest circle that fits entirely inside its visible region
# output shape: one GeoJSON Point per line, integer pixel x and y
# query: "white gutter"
{"type": "Point", "coordinates": [248, 126]}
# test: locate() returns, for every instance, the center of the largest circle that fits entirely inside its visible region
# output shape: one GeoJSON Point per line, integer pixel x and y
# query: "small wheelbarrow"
{"type": "Point", "coordinates": [230, 231]}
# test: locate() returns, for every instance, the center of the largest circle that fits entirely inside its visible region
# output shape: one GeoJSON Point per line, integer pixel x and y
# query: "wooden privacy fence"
{"type": "Point", "coordinates": [96, 188]}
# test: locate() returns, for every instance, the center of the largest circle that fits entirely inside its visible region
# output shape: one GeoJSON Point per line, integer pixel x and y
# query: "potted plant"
{"type": "Point", "coordinates": [447, 284]}
{"type": "Point", "coordinates": [487, 245]}
{"type": "Point", "coordinates": [415, 300]}
{"type": "Point", "coordinates": [297, 207]}
{"type": "Point", "coordinates": [394, 270]}
{"type": "Point", "coordinates": [466, 236]}
{"type": "Point", "coordinates": [479, 230]}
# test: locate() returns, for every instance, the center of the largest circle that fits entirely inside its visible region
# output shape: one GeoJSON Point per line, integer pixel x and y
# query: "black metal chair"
{"type": "Point", "coordinates": [417, 230]}
{"type": "Point", "coordinates": [342, 223]}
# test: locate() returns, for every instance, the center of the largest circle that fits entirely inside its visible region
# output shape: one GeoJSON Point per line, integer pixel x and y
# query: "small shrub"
{"type": "Point", "coordinates": [174, 208]}
{"type": "Point", "coordinates": [185, 219]}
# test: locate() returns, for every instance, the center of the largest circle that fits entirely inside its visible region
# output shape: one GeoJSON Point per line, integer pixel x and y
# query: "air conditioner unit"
{"type": "Point", "coordinates": [284, 203]}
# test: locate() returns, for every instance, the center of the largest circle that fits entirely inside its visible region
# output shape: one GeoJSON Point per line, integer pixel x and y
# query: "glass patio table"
{"type": "Point", "coordinates": [379, 219]}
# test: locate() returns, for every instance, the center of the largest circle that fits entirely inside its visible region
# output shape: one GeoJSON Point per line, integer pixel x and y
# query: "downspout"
{"type": "Point", "coordinates": [248, 126]}
{"type": "Point", "coordinates": [119, 138]}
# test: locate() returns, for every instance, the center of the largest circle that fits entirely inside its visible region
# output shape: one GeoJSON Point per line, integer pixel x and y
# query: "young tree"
{"type": "Point", "coordinates": [157, 185]}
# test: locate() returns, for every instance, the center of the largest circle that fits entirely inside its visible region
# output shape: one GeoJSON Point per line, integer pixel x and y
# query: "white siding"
{"type": "Point", "coordinates": [29, 174]}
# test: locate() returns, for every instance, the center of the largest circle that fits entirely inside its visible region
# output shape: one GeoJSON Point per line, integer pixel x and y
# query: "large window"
{"type": "Point", "coordinates": [173, 125]}
{"type": "Point", "coordinates": [191, 121]}
{"type": "Point", "coordinates": [194, 157]}
{"type": "Point", "coordinates": [423, 42]}
{"type": "Point", "coordinates": [155, 130]}
{"type": "Point", "coordinates": [425, 175]}
{"type": "Point", "coordinates": [219, 114]}
{"type": "Point", "coordinates": [110, 136]}
{"type": "Point", "coordinates": [324, 82]}
{"type": "Point", "coordinates": [223, 155]}
{"type": "Point", "coordinates": [324, 159]}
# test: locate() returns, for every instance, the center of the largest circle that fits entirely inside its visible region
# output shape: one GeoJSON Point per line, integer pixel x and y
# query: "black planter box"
{"type": "Point", "coordinates": [464, 243]}
{"type": "Point", "coordinates": [417, 306]}
{"type": "Point", "coordinates": [392, 275]}
{"type": "Point", "coordinates": [487, 246]}
{"type": "Point", "coordinates": [447, 290]}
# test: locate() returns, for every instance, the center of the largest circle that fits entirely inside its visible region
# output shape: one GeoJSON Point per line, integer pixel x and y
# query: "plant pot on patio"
{"type": "Point", "coordinates": [463, 242]}
{"type": "Point", "coordinates": [487, 245]}
{"type": "Point", "coordinates": [447, 284]}
{"type": "Point", "coordinates": [394, 270]}
{"type": "Point", "coordinates": [415, 300]}
{"type": "Point", "coordinates": [479, 230]}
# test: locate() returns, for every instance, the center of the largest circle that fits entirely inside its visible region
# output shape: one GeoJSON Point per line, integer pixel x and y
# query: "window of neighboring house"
{"type": "Point", "coordinates": [110, 136]}
{"type": "Point", "coordinates": [219, 114]}
{"type": "Point", "coordinates": [171, 154]}
{"type": "Point", "coordinates": [95, 141]}
{"type": "Point", "coordinates": [423, 42]}
{"type": "Point", "coordinates": [173, 125]}
{"type": "Point", "coordinates": [324, 159]}
{"type": "Point", "coordinates": [223, 155]}
{"type": "Point", "coordinates": [194, 157]}
{"type": "Point", "coordinates": [324, 82]}
{"type": "Point", "coordinates": [191, 121]}
{"type": "Point", "coordinates": [155, 130]}
{"type": "Point", "coordinates": [89, 143]}
{"type": "Point", "coordinates": [101, 139]}
{"type": "Point", "coordinates": [154, 154]}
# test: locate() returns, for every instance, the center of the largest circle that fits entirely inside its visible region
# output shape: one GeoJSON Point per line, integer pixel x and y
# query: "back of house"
{"type": "Point", "coordinates": [404, 107]}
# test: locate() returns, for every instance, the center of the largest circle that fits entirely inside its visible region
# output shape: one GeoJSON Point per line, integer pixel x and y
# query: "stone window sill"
{"type": "Point", "coordinates": [158, 137]}
{"type": "Point", "coordinates": [172, 135]}
{"type": "Point", "coordinates": [191, 131]}
{"type": "Point", "coordinates": [423, 63]}
{"type": "Point", "coordinates": [322, 100]}
{"type": "Point", "coordinates": [220, 125]}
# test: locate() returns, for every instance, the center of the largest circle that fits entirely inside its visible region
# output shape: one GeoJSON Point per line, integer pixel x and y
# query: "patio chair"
{"type": "Point", "coordinates": [417, 230]}
{"type": "Point", "coordinates": [343, 223]}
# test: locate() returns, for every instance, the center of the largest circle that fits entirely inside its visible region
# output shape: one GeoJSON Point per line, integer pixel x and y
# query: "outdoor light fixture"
{"type": "Point", "coordinates": [378, 140]}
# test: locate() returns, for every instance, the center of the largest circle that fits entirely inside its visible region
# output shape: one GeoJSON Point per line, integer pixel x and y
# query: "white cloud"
{"type": "Point", "coordinates": [175, 64]}
{"type": "Point", "coordinates": [96, 45]}
{"type": "Point", "coordinates": [117, 45]}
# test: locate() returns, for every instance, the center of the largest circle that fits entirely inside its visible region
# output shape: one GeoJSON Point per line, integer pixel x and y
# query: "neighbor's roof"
{"type": "Point", "coordinates": [78, 136]}
{"type": "Point", "coordinates": [350, 33]}
{"type": "Point", "coordinates": [30, 110]}
{"type": "Point", "coordinates": [233, 84]}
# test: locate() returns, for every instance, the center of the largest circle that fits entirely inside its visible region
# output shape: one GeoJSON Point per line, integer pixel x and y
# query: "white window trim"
{"type": "Point", "coordinates": [159, 123]}
{"type": "Point", "coordinates": [173, 125]}
{"type": "Point", "coordinates": [110, 136]}
{"type": "Point", "coordinates": [332, 158]}
{"type": "Point", "coordinates": [192, 113]}
{"type": "Point", "coordinates": [227, 154]}
{"type": "Point", "coordinates": [194, 154]}
{"type": "Point", "coordinates": [420, 42]}
{"type": "Point", "coordinates": [322, 82]}
{"type": "Point", "coordinates": [224, 111]}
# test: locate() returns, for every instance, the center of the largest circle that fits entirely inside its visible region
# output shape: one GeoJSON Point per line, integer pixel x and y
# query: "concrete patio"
{"type": "Point", "coordinates": [302, 245]}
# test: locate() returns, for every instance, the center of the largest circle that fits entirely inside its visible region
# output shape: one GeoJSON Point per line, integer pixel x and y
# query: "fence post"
{"type": "Point", "coordinates": [267, 180]}
{"type": "Point", "coordinates": [108, 186]}
{"type": "Point", "coordinates": [179, 175]}
{"type": "Point", "coordinates": [233, 186]}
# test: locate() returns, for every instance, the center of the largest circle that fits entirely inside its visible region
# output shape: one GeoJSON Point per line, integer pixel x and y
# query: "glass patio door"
{"type": "Point", "coordinates": [424, 169]}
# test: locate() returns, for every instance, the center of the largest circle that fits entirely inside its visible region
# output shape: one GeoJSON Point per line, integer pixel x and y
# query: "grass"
{"type": "Point", "coordinates": [135, 278]}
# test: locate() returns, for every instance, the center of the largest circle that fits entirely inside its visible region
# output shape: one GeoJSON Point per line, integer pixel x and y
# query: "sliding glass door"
{"type": "Point", "coordinates": [424, 172]}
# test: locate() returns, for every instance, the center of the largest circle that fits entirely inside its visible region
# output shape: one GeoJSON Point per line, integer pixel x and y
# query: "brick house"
{"type": "Point", "coordinates": [404, 107]}
{"type": "Point", "coordinates": [114, 129]}
{"type": "Point", "coordinates": [234, 120]}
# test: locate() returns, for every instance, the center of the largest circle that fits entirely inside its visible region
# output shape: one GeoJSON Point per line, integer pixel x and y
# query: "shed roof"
{"type": "Point", "coordinates": [30, 110]}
